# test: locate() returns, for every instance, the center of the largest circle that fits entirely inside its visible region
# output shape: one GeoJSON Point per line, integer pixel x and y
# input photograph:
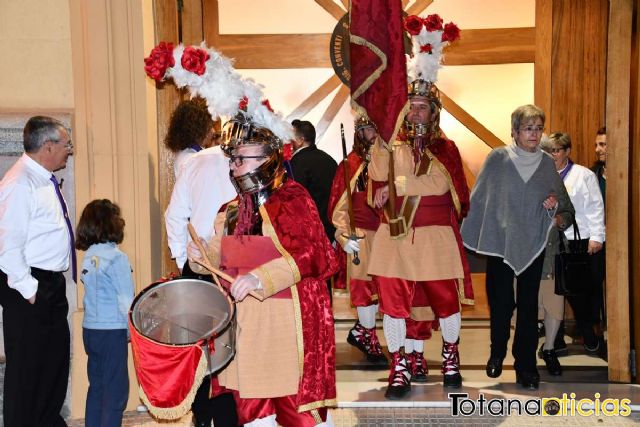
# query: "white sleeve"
{"type": "Point", "coordinates": [594, 211]}
{"type": "Point", "coordinates": [16, 205]}
{"type": "Point", "coordinates": [177, 216]}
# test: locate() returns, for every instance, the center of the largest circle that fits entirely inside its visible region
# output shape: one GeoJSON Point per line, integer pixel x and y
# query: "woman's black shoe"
{"type": "Point", "coordinates": [529, 380]}
{"type": "Point", "coordinates": [551, 360]}
{"type": "Point", "coordinates": [494, 367]}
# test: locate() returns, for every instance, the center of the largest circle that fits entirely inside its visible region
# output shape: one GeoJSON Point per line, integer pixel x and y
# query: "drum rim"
{"type": "Point", "coordinates": [212, 335]}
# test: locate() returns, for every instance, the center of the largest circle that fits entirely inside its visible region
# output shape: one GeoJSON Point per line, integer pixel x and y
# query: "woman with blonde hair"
{"type": "Point", "coordinates": [515, 202]}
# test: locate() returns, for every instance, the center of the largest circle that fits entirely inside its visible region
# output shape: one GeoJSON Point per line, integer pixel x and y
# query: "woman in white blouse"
{"type": "Point", "coordinates": [584, 191]}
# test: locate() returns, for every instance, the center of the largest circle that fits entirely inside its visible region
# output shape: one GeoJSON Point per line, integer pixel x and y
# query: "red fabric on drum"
{"type": "Point", "coordinates": [166, 373]}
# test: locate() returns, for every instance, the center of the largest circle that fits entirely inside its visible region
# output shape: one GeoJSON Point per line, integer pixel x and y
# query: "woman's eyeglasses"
{"type": "Point", "coordinates": [532, 129]}
{"type": "Point", "coordinates": [237, 161]}
{"type": "Point", "coordinates": [556, 150]}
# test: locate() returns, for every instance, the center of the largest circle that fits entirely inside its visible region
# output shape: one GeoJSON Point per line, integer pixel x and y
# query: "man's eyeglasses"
{"type": "Point", "coordinates": [532, 129]}
{"type": "Point", "coordinates": [237, 161]}
{"type": "Point", "coordinates": [68, 146]}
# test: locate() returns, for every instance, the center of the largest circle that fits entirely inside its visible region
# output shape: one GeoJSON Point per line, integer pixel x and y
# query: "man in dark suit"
{"type": "Point", "coordinates": [314, 169]}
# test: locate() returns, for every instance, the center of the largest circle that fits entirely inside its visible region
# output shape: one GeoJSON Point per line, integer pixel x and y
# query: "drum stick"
{"type": "Point", "coordinates": [206, 263]}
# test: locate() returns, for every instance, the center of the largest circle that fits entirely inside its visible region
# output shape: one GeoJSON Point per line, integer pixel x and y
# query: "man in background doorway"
{"type": "Point", "coordinates": [600, 165]}
{"type": "Point", "coordinates": [314, 169]}
{"type": "Point", "coordinates": [599, 264]}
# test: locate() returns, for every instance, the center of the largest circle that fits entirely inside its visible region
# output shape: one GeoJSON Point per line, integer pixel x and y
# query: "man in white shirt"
{"type": "Point", "coordinates": [36, 243]}
{"type": "Point", "coordinates": [201, 188]}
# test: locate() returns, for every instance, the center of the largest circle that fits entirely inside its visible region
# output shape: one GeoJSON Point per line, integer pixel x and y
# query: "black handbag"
{"type": "Point", "coordinates": [572, 266]}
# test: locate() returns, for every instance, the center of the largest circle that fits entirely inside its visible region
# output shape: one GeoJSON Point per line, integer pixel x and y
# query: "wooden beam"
{"type": "Point", "coordinates": [617, 204]}
{"type": "Point", "coordinates": [336, 103]}
{"type": "Point", "coordinates": [418, 6]}
{"type": "Point", "coordinates": [542, 62]}
{"type": "Point", "coordinates": [635, 191]}
{"type": "Point", "coordinates": [576, 58]}
{"type": "Point", "coordinates": [314, 99]}
{"type": "Point", "coordinates": [470, 176]}
{"type": "Point", "coordinates": [277, 50]}
{"type": "Point", "coordinates": [345, 3]}
{"type": "Point", "coordinates": [192, 32]}
{"type": "Point", "coordinates": [211, 21]}
{"type": "Point", "coordinates": [332, 8]}
{"type": "Point", "coordinates": [592, 115]}
{"type": "Point", "coordinates": [470, 122]}
{"type": "Point", "coordinates": [168, 97]}
{"type": "Point", "coordinates": [405, 3]}
{"type": "Point", "coordinates": [492, 46]}
{"type": "Point", "coordinates": [477, 47]}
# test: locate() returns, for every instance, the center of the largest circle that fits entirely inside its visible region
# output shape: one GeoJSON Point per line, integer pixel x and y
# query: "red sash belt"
{"type": "Point", "coordinates": [432, 210]}
{"type": "Point", "coordinates": [363, 215]}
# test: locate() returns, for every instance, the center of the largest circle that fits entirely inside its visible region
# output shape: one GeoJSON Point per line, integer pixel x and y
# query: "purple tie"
{"type": "Point", "coordinates": [74, 267]}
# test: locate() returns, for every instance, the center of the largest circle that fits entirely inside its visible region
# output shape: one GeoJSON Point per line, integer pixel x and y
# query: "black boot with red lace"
{"type": "Point", "coordinates": [366, 340]}
{"type": "Point", "coordinates": [374, 349]}
{"type": "Point", "coordinates": [399, 377]}
{"type": "Point", "coordinates": [451, 365]}
{"type": "Point", "coordinates": [418, 367]}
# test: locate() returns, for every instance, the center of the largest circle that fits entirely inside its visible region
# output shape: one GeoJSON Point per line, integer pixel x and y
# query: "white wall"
{"type": "Point", "coordinates": [35, 55]}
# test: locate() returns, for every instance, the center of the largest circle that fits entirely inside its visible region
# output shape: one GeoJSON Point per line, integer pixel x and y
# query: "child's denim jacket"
{"type": "Point", "coordinates": [108, 287]}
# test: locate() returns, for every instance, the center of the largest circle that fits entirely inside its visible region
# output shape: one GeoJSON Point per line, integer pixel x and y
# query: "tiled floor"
{"type": "Point", "coordinates": [361, 389]}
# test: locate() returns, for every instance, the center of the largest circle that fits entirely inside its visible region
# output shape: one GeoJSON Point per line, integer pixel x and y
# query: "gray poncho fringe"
{"type": "Point", "coordinates": [506, 217]}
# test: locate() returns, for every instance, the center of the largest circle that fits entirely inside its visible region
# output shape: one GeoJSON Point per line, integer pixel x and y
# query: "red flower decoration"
{"type": "Point", "coordinates": [451, 32]}
{"type": "Point", "coordinates": [413, 24]}
{"type": "Point", "coordinates": [194, 59]}
{"type": "Point", "coordinates": [160, 59]}
{"type": "Point", "coordinates": [433, 22]}
{"type": "Point", "coordinates": [242, 105]}
{"type": "Point", "coordinates": [266, 104]}
{"type": "Point", "coordinates": [426, 48]}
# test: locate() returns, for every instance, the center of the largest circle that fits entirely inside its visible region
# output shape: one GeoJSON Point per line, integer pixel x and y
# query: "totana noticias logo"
{"type": "Point", "coordinates": [564, 406]}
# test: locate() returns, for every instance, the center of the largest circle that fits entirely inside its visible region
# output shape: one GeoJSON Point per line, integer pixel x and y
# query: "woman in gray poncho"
{"type": "Point", "coordinates": [514, 203]}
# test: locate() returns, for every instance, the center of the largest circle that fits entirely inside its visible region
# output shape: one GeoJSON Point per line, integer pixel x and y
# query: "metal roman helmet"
{"type": "Point", "coordinates": [268, 176]}
{"type": "Point", "coordinates": [427, 92]}
{"type": "Point", "coordinates": [360, 145]}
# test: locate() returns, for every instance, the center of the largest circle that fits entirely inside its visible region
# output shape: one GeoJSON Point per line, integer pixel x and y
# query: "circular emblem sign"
{"type": "Point", "coordinates": [339, 50]}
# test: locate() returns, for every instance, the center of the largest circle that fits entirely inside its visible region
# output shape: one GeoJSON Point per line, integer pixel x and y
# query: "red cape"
{"type": "Point", "coordinates": [293, 216]}
{"type": "Point", "coordinates": [338, 188]}
{"type": "Point", "coordinates": [447, 153]}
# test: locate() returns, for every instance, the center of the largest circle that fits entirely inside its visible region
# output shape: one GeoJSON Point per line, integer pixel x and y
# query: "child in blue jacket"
{"type": "Point", "coordinates": [106, 275]}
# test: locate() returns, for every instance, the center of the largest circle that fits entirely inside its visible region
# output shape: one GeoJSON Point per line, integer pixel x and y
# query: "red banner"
{"type": "Point", "coordinates": [378, 64]}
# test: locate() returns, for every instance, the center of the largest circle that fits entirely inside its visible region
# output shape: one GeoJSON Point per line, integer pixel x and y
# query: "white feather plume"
{"type": "Point", "coordinates": [425, 65]}
{"type": "Point", "coordinates": [223, 88]}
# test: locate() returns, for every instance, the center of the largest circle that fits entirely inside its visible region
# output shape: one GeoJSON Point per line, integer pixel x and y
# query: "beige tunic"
{"type": "Point", "coordinates": [425, 253]}
{"type": "Point", "coordinates": [340, 220]}
{"type": "Point", "coordinates": [266, 362]}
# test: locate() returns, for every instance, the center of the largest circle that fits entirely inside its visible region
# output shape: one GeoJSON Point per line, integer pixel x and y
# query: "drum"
{"type": "Point", "coordinates": [184, 312]}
